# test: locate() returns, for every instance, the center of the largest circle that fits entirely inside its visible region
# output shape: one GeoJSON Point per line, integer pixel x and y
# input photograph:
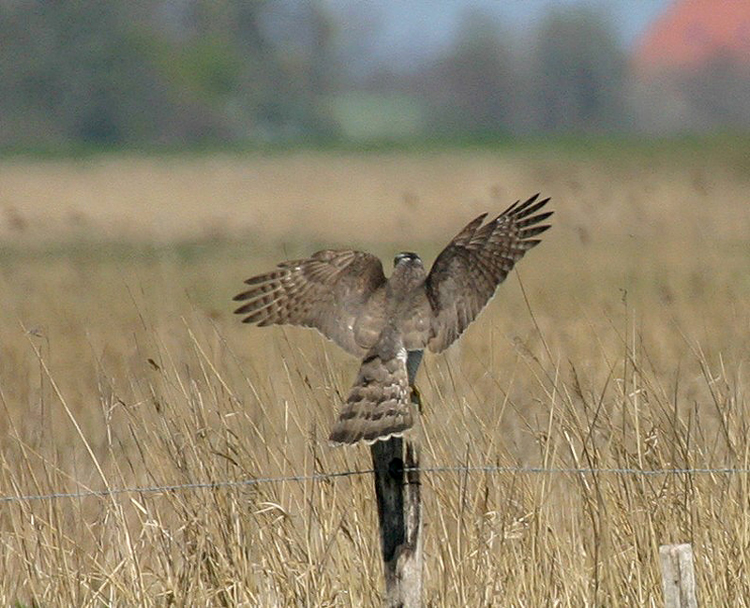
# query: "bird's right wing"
{"type": "Point", "coordinates": [327, 291]}
{"type": "Point", "coordinates": [467, 272]}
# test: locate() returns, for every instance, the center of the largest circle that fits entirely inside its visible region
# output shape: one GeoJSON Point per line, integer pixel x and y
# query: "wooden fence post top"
{"type": "Point", "coordinates": [678, 576]}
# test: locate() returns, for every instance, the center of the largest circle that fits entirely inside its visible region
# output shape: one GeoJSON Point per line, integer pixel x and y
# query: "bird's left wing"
{"type": "Point", "coordinates": [328, 291]}
{"type": "Point", "coordinates": [467, 272]}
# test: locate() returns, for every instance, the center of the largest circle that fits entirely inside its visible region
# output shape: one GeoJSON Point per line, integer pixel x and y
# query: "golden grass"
{"type": "Point", "coordinates": [121, 365]}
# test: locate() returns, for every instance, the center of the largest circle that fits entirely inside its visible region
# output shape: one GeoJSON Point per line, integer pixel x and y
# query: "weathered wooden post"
{"type": "Point", "coordinates": [678, 576]}
{"type": "Point", "coordinates": [397, 488]}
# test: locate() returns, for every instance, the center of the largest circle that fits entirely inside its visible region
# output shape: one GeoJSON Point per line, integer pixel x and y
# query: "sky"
{"type": "Point", "coordinates": [411, 30]}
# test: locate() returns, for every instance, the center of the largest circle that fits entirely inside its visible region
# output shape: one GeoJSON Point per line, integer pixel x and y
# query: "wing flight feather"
{"type": "Point", "coordinates": [467, 272]}
{"type": "Point", "coordinates": [327, 291]}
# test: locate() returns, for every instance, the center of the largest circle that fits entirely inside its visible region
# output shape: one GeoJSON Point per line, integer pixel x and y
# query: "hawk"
{"type": "Point", "coordinates": [388, 322]}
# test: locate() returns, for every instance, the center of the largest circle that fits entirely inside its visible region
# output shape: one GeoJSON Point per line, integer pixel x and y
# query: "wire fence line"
{"type": "Point", "coordinates": [255, 481]}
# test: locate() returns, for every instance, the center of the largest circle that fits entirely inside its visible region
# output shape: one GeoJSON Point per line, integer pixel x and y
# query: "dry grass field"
{"type": "Point", "coordinates": [623, 342]}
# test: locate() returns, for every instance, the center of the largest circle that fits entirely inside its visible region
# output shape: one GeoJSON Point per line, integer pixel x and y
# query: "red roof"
{"type": "Point", "coordinates": [693, 32]}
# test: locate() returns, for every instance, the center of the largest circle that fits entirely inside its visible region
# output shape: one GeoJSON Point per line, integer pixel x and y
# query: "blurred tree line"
{"type": "Point", "coordinates": [160, 71]}
{"type": "Point", "coordinates": [207, 71]}
{"type": "Point", "coordinates": [571, 76]}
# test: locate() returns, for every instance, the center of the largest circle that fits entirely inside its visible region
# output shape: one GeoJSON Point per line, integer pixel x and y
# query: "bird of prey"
{"type": "Point", "coordinates": [388, 322]}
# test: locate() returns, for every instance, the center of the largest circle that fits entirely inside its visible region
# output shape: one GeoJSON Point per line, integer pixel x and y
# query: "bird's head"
{"type": "Point", "coordinates": [408, 270]}
{"type": "Point", "coordinates": [407, 258]}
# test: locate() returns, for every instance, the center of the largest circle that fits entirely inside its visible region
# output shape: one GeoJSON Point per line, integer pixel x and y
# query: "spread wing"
{"type": "Point", "coordinates": [467, 272]}
{"type": "Point", "coordinates": [327, 291]}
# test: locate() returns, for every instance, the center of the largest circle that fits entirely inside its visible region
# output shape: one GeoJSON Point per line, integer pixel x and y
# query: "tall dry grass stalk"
{"type": "Point", "coordinates": [122, 366]}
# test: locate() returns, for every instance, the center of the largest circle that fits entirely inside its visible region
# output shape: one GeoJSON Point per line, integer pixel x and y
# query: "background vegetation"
{"type": "Point", "coordinates": [122, 365]}
{"type": "Point", "coordinates": [175, 73]}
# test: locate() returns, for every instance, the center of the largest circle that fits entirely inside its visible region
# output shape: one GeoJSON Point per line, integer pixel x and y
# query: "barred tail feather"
{"type": "Point", "coordinates": [379, 404]}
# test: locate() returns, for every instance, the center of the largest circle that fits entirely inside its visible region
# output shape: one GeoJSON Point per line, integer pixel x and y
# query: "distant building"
{"type": "Point", "coordinates": [692, 34]}
{"type": "Point", "coordinates": [691, 69]}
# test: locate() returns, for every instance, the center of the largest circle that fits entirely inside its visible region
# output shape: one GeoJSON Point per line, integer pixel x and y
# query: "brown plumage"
{"type": "Point", "coordinates": [389, 322]}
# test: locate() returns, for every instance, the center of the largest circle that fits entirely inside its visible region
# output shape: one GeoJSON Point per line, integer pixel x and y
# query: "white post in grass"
{"type": "Point", "coordinates": [678, 576]}
{"type": "Point", "coordinates": [397, 488]}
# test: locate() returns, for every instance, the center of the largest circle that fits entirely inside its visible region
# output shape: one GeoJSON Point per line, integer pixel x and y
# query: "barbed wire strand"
{"type": "Point", "coordinates": [211, 485]}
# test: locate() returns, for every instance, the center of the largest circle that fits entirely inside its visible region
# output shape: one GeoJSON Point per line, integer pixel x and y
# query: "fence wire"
{"type": "Point", "coordinates": [255, 481]}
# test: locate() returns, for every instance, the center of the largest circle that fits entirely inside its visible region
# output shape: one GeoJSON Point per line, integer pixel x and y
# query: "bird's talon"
{"type": "Point", "coordinates": [416, 397]}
